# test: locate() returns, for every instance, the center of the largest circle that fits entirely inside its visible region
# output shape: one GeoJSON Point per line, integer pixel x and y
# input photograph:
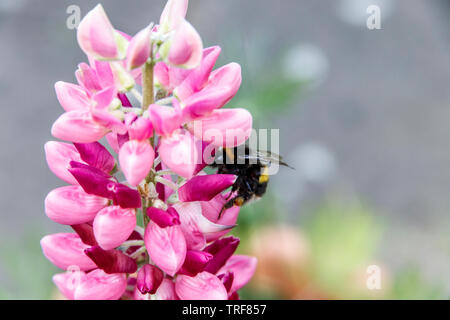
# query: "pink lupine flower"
{"type": "Point", "coordinates": [58, 156]}
{"type": "Point", "coordinates": [98, 285]}
{"type": "Point", "coordinates": [113, 225]}
{"type": "Point", "coordinates": [97, 37]}
{"type": "Point", "coordinates": [166, 247]}
{"type": "Point", "coordinates": [71, 205]}
{"type": "Point", "coordinates": [65, 250]}
{"type": "Point", "coordinates": [204, 286]}
{"type": "Point", "coordinates": [160, 148]}
{"type": "Point", "coordinates": [136, 160]}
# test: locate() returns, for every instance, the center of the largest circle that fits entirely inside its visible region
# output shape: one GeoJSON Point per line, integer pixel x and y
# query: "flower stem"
{"type": "Point", "coordinates": [147, 83]}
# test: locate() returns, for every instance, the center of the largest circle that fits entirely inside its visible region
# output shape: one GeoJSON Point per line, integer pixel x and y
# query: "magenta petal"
{"type": "Point", "coordinates": [195, 262]}
{"type": "Point", "coordinates": [136, 160]}
{"type": "Point", "coordinates": [126, 197]}
{"type": "Point", "coordinates": [206, 187]}
{"type": "Point", "coordinates": [78, 126]}
{"type": "Point", "coordinates": [166, 247]}
{"type": "Point", "coordinates": [204, 286]}
{"type": "Point", "coordinates": [98, 285]}
{"type": "Point", "coordinates": [58, 156]}
{"type": "Point", "coordinates": [222, 250]}
{"type": "Point", "coordinates": [111, 261]}
{"type": "Point", "coordinates": [163, 218]}
{"type": "Point", "coordinates": [243, 268]}
{"type": "Point", "coordinates": [71, 205]}
{"type": "Point", "coordinates": [86, 233]}
{"type": "Point", "coordinates": [227, 279]}
{"type": "Point", "coordinates": [149, 279]}
{"type": "Point", "coordinates": [71, 96]}
{"type": "Point", "coordinates": [166, 291]}
{"type": "Point", "coordinates": [96, 155]}
{"type": "Point", "coordinates": [92, 180]}
{"type": "Point", "coordinates": [66, 250]}
{"type": "Point", "coordinates": [113, 225]}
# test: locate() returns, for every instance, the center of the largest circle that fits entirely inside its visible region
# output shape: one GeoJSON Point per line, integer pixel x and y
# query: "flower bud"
{"type": "Point", "coordinates": [98, 285]}
{"type": "Point", "coordinates": [139, 49]}
{"type": "Point", "coordinates": [149, 279]}
{"type": "Point", "coordinates": [71, 96]}
{"type": "Point", "coordinates": [163, 218]}
{"type": "Point", "coordinates": [204, 286]}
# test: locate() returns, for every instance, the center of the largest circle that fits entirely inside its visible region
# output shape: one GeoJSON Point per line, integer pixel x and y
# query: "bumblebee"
{"type": "Point", "coordinates": [252, 171]}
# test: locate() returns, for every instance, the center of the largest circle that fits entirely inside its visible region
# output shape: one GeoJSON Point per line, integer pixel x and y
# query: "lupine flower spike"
{"type": "Point", "coordinates": [145, 219]}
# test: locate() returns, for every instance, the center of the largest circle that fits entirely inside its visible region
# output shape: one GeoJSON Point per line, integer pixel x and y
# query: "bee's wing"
{"type": "Point", "coordinates": [265, 157]}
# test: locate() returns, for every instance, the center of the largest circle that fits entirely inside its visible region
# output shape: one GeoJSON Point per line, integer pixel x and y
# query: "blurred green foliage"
{"type": "Point", "coordinates": [26, 273]}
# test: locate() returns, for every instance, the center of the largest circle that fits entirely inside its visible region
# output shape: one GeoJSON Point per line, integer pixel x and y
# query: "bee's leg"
{"type": "Point", "coordinates": [226, 206]}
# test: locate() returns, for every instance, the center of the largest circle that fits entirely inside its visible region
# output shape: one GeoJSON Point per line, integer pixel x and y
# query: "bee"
{"type": "Point", "coordinates": [252, 170]}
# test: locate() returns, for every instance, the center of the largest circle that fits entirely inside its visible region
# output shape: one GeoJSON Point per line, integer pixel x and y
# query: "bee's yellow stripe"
{"type": "Point", "coordinates": [264, 177]}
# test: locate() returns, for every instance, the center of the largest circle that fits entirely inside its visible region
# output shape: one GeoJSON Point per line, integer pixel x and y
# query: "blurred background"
{"type": "Point", "coordinates": [363, 117]}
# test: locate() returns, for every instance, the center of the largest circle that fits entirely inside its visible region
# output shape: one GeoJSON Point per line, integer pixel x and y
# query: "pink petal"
{"type": "Point", "coordinates": [186, 48]}
{"type": "Point", "coordinates": [113, 225]}
{"type": "Point", "coordinates": [166, 291]}
{"type": "Point", "coordinates": [195, 226]}
{"type": "Point", "coordinates": [78, 126]}
{"type": "Point", "coordinates": [66, 250]}
{"type": "Point", "coordinates": [204, 286]}
{"type": "Point", "coordinates": [139, 49]}
{"type": "Point", "coordinates": [109, 121]}
{"type": "Point", "coordinates": [71, 96]}
{"type": "Point", "coordinates": [140, 129]}
{"type": "Point", "coordinates": [166, 247]}
{"type": "Point", "coordinates": [67, 282]}
{"type": "Point", "coordinates": [58, 156]}
{"type": "Point", "coordinates": [224, 128]}
{"type": "Point", "coordinates": [136, 160]}
{"type": "Point", "coordinates": [96, 35]}
{"type": "Point", "coordinates": [96, 155]}
{"type": "Point", "coordinates": [149, 279]}
{"type": "Point", "coordinates": [243, 268]}
{"type": "Point", "coordinates": [173, 14]}
{"type": "Point", "coordinates": [98, 285]}
{"type": "Point", "coordinates": [71, 205]}
{"type": "Point", "coordinates": [196, 78]}
{"type": "Point", "coordinates": [180, 152]}
{"type": "Point", "coordinates": [165, 119]}
{"type": "Point", "coordinates": [212, 209]}
{"type": "Point", "coordinates": [87, 77]}
{"type": "Point", "coordinates": [111, 261]}
{"type": "Point", "coordinates": [205, 187]}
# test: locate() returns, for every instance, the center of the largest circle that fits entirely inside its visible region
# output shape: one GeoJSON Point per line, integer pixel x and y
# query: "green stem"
{"type": "Point", "coordinates": [148, 96]}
